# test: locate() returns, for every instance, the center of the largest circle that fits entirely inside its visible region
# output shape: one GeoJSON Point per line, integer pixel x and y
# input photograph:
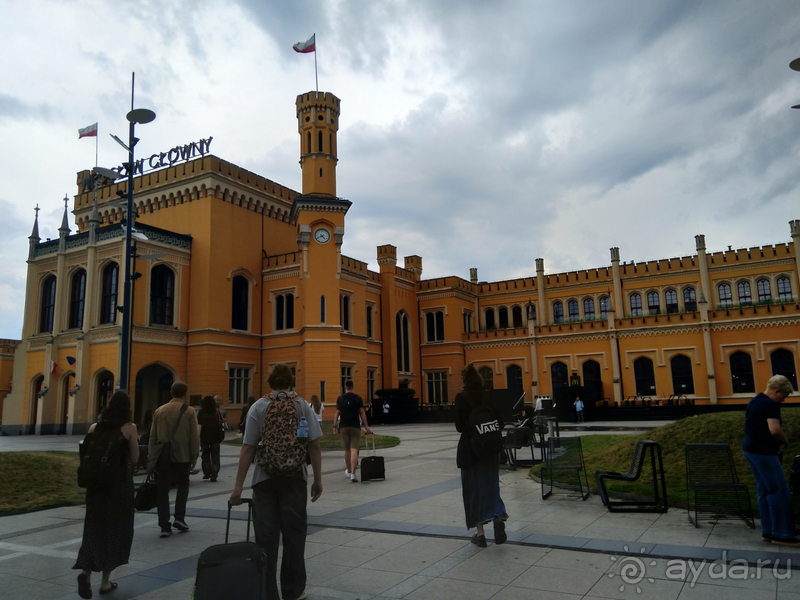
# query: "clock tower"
{"type": "Point", "coordinates": [319, 216]}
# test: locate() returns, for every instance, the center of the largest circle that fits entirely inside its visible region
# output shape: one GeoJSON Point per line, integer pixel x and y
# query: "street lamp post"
{"type": "Point", "coordinates": [136, 115]}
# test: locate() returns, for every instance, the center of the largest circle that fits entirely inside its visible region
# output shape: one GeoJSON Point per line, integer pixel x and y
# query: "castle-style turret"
{"type": "Point", "coordinates": [34, 238]}
{"type": "Point", "coordinates": [318, 123]}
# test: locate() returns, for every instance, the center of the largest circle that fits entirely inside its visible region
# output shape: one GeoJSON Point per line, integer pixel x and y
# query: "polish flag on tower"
{"type": "Point", "coordinates": [307, 46]}
{"type": "Point", "coordinates": [90, 131]}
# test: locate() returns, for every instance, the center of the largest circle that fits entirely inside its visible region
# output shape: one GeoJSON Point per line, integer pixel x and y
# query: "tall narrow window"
{"type": "Point", "coordinates": [764, 291]}
{"type": "Point", "coordinates": [439, 326]}
{"type": "Point", "coordinates": [588, 309]}
{"type": "Point", "coordinates": [240, 292]}
{"type": "Point", "coordinates": [516, 316]}
{"type": "Point", "coordinates": [559, 375]}
{"type": "Point", "coordinates": [403, 350]}
{"type": "Point", "coordinates": [742, 373]}
{"type": "Point", "coordinates": [745, 299]}
{"type": "Point", "coordinates": [653, 303]}
{"type": "Point", "coordinates": [604, 304]}
{"type": "Point", "coordinates": [322, 309]}
{"type": "Point", "coordinates": [370, 384]}
{"type": "Point", "coordinates": [490, 318]}
{"type": "Point", "coordinates": [784, 289]}
{"type": "Point", "coordinates": [319, 141]}
{"type": "Point", "coordinates": [284, 311]}
{"type": "Point", "coordinates": [572, 307]}
{"type": "Point", "coordinates": [783, 364]}
{"type": "Point", "coordinates": [671, 298]}
{"type": "Point", "coordinates": [430, 326]}
{"type": "Point", "coordinates": [48, 304]}
{"type": "Point", "coordinates": [346, 375]}
{"type": "Point", "coordinates": [645, 376]}
{"type": "Point", "coordinates": [682, 379]}
{"type": "Point", "coordinates": [77, 300]}
{"type": "Point", "coordinates": [725, 298]}
{"type": "Point", "coordinates": [502, 317]}
{"type": "Point", "coordinates": [514, 379]}
{"type": "Point", "coordinates": [308, 138]}
{"type": "Point", "coordinates": [344, 307]}
{"type": "Point", "coordinates": [108, 305]}
{"type": "Point", "coordinates": [280, 311]}
{"type": "Point", "coordinates": [369, 322]}
{"type": "Point", "coordinates": [689, 300]}
{"type": "Point", "coordinates": [238, 385]}
{"type": "Point", "coordinates": [289, 311]}
{"type": "Point", "coordinates": [636, 305]}
{"type": "Point", "coordinates": [162, 295]}
{"type": "Point", "coordinates": [558, 312]}
{"type": "Point", "coordinates": [437, 387]}
{"type": "Point", "coordinates": [467, 322]}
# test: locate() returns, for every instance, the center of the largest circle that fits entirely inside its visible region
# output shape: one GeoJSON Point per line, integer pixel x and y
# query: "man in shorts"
{"type": "Point", "coordinates": [347, 420]}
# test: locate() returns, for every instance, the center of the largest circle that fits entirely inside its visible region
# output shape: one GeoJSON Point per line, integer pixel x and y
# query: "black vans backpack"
{"type": "Point", "coordinates": [794, 476]}
{"type": "Point", "coordinates": [487, 437]}
{"type": "Point", "coordinates": [103, 459]}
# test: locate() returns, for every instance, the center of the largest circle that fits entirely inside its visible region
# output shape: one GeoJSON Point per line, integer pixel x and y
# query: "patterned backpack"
{"type": "Point", "coordinates": [280, 452]}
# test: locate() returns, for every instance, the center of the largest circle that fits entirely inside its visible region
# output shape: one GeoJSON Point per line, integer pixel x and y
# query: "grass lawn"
{"type": "Point", "coordinates": [331, 441]}
{"type": "Point", "coordinates": [614, 452]}
{"type": "Point", "coordinates": [33, 480]}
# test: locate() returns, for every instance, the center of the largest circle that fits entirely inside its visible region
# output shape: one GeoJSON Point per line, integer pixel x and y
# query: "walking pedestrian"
{"type": "Point", "coordinates": [347, 421]}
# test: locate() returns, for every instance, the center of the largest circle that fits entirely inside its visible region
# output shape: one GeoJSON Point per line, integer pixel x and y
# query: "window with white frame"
{"type": "Point", "coordinates": [347, 375]}
{"type": "Point", "coordinates": [764, 291]}
{"type": "Point", "coordinates": [238, 385]}
{"type": "Point", "coordinates": [437, 387]}
{"type": "Point", "coordinates": [604, 304]}
{"type": "Point", "coordinates": [345, 303]}
{"type": "Point", "coordinates": [467, 322]}
{"type": "Point", "coordinates": [434, 326]}
{"type": "Point", "coordinates": [502, 317]}
{"type": "Point", "coordinates": [784, 289]}
{"type": "Point", "coordinates": [671, 298]}
{"type": "Point", "coordinates": [689, 299]}
{"type": "Point", "coordinates": [284, 311]}
{"type": "Point", "coordinates": [588, 308]}
{"type": "Point", "coordinates": [636, 305]}
{"type": "Point", "coordinates": [572, 307]}
{"type": "Point", "coordinates": [516, 316]}
{"type": "Point", "coordinates": [725, 298]}
{"type": "Point", "coordinates": [558, 312]}
{"type": "Point", "coordinates": [653, 303]}
{"type": "Point", "coordinates": [745, 298]}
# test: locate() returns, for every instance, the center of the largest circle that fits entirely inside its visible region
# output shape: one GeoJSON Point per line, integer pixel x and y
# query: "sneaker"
{"type": "Point", "coordinates": [180, 525]}
{"type": "Point", "coordinates": [206, 476]}
{"type": "Point", "coordinates": [795, 542]}
{"type": "Point", "coordinates": [348, 474]}
{"type": "Point", "coordinates": [500, 535]}
{"type": "Point", "coordinates": [165, 533]}
{"type": "Point", "coordinates": [353, 477]}
{"type": "Point", "coordinates": [479, 540]}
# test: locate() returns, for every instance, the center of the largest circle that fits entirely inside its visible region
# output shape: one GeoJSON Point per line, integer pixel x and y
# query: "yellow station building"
{"type": "Point", "coordinates": [248, 273]}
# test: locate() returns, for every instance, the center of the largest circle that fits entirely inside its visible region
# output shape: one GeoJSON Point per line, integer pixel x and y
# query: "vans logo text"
{"type": "Point", "coordinates": [487, 427]}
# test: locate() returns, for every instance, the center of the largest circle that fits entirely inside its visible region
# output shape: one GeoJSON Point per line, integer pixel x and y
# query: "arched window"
{"type": "Point", "coordinates": [636, 305]}
{"type": "Point", "coordinates": [689, 300]}
{"type": "Point", "coordinates": [532, 313]}
{"type": "Point", "coordinates": [369, 321]}
{"type": "Point", "coordinates": [645, 376]}
{"type": "Point", "coordinates": [783, 364]}
{"type": "Point", "coordinates": [77, 300]}
{"type": "Point", "coordinates": [784, 289]}
{"type": "Point", "coordinates": [514, 379]}
{"type": "Point", "coordinates": [322, 309]}
{"type": "Point", "coordinates": [403, 343]}
{"type": "Point", "coordinates": [671, 300]}
{"type": "Point", "coordinates": [745, 298]}
{"type": "Point", "coordinates": [572, 307]}
{"type": "Point", "coordinates": [588, 309]}
{"type": "Point", "coordinates": [284, 311]}
{"type": "Point", "coordinates": [764, 291]}
{"type": "Point", "coordinates": [559, 375]}
{"type": "Point", "coordinates": [48, 304]}
{"type": "Point", "coordinates": [558, 312]}
{"type": "Point", "coordinates": [502, 317]}
{"type": "Point", "coordinates": [516, 315]}
{"type": "Point", "coordinates": [487, 375]}
{"type": "Point", "coordinates": [653, 303]}
{"type": "Point", "coordinates": [742, 373]}
{"type": "Point", "coordinates": [344, 307]}
{"type": "Point", "coordinates": [162, 295]}
{"type": "Point", "coordinates": [490, 318]}
{"type": "Point", "coordinates": [682, 379]}
{"type": "Point", "coordinates": [604, 304]}
{"type": "Point", "coordinates": [725, 298]}
{"type": "Point", "coordinates": [592, 380]}
{"type": "Point", "coordinates": [108, 304]}
{"type": "Point", "coordinates": [240, 293]}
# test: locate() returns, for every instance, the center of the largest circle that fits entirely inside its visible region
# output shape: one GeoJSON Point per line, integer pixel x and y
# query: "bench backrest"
{"type": "Point", "coordinates": [710, 463]}
{"type": "Point", "coordinates": [565, 452]}
{"type": "Point", "coordinates": [638, 458]}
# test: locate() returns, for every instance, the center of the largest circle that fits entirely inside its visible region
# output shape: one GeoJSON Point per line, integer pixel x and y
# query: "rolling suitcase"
{"type": "Point", "coordinates": [372, 466]}
{"type": "Point", "coordinates": [237, 570]}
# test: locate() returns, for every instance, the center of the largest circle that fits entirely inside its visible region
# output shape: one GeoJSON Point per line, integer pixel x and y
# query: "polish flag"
{"type": "Point", "coordinates": [53, 368]}
{"type": "Point", "coordinates": [90, 131]}
{"type": "Point", "coordinates": [307, 46]}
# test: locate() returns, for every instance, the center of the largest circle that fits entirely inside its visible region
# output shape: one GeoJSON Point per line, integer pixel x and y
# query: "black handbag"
{"type": "Point", "coordinates": [147, 495]}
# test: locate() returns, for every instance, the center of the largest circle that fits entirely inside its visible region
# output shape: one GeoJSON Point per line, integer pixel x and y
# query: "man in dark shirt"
{"type": "Point", "coordinates": [347, 420]}
{"type": "Point", "coordinates": [763, 438]}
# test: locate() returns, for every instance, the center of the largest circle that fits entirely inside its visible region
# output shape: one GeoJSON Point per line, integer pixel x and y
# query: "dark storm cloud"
{"type": "Point", "coordinates": [12, 108]}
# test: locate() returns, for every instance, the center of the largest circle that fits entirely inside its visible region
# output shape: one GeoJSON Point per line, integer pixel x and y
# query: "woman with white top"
{"type": "Point", "coordinates": [317, 406]}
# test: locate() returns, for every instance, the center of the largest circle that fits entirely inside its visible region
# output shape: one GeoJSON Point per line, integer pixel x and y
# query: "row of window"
{"type": "Point", "coordinates": [763, 289]}
{"type": "Point", "coordinates": [162, 298]}
{"type": "Point", "coordinates": [671, 300]}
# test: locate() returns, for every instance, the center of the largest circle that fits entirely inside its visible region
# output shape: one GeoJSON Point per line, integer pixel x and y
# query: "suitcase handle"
{"type": "Point", "coordinates": [249, 502]}
{"type": "Point", "coordinates": [366, 445]}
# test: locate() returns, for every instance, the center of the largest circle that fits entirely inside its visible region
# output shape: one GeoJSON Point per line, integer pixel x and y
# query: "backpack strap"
{"type": "Point", "coordinates": [178, 422]}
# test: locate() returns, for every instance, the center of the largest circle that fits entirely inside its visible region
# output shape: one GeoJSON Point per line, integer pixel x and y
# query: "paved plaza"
{"type": "Point", "coordinates": [405, 538]}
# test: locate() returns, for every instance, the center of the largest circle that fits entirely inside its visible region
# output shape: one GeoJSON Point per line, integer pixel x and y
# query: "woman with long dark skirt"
{"type": "Point", "coordinates": [210, 423]}
{"type": "Point", "coordinates": [108, 524]}
{"type": "Point", "coordinates": [480, 474]}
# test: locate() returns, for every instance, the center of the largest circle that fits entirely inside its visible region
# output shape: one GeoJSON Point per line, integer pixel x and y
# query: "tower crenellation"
{"type": "Point", "coordinates": [318, 125]}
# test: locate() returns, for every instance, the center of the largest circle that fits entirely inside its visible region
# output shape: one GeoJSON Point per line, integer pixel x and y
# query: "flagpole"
{"type": "Point", "coordinates": [96, 138]}
{"type": "Point", "coordinates": [316, 76]}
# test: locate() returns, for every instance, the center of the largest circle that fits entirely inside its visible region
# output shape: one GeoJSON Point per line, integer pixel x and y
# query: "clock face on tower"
{"type": "Point", "coordinates": [322, 235]}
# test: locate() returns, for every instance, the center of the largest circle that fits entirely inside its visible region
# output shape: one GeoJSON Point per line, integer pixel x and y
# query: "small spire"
{"type": "Point", "coordinates": [65, 221]}
{"type": "Point", "coordinates": [35, 233]}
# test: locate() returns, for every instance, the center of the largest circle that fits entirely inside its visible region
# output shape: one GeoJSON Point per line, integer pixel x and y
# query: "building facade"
{"type": "Point", "coordinates": [235, 273]}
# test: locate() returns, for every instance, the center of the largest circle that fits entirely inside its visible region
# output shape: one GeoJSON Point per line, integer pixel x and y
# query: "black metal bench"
{"type": "Point", "coordinates": [711, 477]}
{"type": "Point", "coordinates": [515, 439]}
{"type": "Point", "coordinates": [659, 502]}
{"type": "Point", "coordinates": [565, 454]}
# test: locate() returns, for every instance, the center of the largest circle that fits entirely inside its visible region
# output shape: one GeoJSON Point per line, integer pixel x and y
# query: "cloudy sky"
{"type": "Point", "coordinates": [473, 133]}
